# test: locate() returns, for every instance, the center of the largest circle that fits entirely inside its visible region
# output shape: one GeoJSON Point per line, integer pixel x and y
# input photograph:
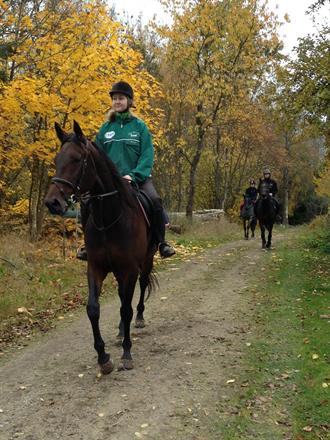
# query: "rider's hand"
{"type": "Point", "coordinates": [128, 177]}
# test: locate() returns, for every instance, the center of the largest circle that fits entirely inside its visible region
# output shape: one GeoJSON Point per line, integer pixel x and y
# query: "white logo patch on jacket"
{"type": "Point", "coordinates": [109, 134]}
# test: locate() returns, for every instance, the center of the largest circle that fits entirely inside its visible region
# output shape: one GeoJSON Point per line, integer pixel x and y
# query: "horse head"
{"type": "Point", "coordinates": [73, 175]}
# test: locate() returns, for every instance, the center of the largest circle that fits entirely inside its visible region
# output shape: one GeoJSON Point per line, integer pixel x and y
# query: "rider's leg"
{"type": "Point", "coordinates": [165, 249]}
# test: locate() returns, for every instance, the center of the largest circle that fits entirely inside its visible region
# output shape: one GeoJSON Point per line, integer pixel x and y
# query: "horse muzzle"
{"type": "Point", "coordinates": [56, 205]}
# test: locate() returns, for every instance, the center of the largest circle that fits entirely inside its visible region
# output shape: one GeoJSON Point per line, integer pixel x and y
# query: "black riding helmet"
{"type": "Point", "coordinates": [123, 88]}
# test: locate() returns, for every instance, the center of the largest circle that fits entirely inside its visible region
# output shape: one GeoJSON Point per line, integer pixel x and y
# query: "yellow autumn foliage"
{"type": "Point", "coordinates": [63, 71]}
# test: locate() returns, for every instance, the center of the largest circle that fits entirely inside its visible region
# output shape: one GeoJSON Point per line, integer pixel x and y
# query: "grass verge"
{"type": "Point", "coordinates": [285, 386]}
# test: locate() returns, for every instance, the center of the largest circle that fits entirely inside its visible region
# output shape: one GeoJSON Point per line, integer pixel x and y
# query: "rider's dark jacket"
{"type": "Point", "coordinates": [272, 185]}
{"type": "Point", "coordinates": [251, 193]}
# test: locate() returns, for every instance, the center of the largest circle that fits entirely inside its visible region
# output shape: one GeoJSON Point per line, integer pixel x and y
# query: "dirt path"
{"type": "Point", "coordinates": [197, 325]}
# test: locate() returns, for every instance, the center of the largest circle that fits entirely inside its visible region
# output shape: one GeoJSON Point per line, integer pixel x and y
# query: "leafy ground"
{"type": "Point", "coordinates": [235, 347]}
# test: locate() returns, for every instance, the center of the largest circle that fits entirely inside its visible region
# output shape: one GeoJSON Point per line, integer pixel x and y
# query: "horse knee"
{"type": "Point", "coordinates": [93, 311]}
{"type": "Point", "coordinates": [126, 313]}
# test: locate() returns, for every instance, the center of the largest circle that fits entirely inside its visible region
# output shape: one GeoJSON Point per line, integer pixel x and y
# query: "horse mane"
{"type": "Point", "coordinates": [110, 169]}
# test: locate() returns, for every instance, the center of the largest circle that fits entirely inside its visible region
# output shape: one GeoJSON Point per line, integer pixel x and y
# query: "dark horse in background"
{"type": "Point", "coordinates": [248, 216]}
{"type": "Point", "coordinates": [116, 233]}
{"type": "Point", "coordinates": [266, 212]}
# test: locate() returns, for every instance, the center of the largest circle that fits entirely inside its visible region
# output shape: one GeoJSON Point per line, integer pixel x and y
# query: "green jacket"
{"type": "Point", "coordinates": [127, 142]}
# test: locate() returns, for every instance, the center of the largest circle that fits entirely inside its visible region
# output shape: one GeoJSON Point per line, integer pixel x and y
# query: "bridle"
{"type": "Point", "coordinates": [85, 197]}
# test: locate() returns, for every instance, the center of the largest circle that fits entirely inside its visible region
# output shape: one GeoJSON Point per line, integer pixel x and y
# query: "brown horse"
{"type": "Point", "coordinates": [116, 233]}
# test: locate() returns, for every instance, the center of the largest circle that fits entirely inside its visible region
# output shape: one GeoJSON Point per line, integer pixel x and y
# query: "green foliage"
{"type": "Point", "coordinates": [319, 236]}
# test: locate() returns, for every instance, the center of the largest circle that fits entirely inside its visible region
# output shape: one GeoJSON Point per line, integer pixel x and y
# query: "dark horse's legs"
{"type": "Point", "coordinates": [139, 321]}
{"type": "Point", "coordinates": [126, 291]}
{"type": "Point", "coordinates": [266, 244]}
{"type": "Point", "coordinates": [246, 228]}
{"type": "Point", "coordinates": [93, 312]}
{"type": "Point", "coordinates": [253, 224]}
{"type": "Point", "coordinates": [263, 239]}
{"type": "Point", "coordinates": [269, 240]}
{"type": "Point", "coordinates": [144, 283]}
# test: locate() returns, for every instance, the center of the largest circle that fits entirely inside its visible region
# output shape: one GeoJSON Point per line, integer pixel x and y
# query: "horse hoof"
{"type": "Point", "coordinates": [107, 367]}
{"type": "Point", "coordinates": [125, 364]}
{"type": "Point", "coordinates": [139, 323]}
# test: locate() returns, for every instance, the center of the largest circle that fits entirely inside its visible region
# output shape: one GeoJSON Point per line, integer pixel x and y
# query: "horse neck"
{"type": "Point", "coordinates": [266, 208]}
{"type": "Point", "coordinates": [121, 204]}
{"type": "Point", "coordinates": [108, 208]}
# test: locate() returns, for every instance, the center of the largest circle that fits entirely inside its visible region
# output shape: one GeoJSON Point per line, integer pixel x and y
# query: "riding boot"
{"type": "Point", "coordinates": [82, 253]}
{"type": "Point", "coordinates": [165, 249]}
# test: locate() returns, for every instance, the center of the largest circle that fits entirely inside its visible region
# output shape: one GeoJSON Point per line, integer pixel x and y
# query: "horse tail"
{"type": "Point", "coordinates": [152, 283]}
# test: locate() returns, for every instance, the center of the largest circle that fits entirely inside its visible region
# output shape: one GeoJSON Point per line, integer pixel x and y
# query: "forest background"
{"type": "Point", "coordinates": [219, 95]}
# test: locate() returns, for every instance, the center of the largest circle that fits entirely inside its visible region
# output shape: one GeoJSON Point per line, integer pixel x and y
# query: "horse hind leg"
{"type": "Point", "coordinates": [147, 281]}
{"type": "Point", "coordinates": [144, 282]}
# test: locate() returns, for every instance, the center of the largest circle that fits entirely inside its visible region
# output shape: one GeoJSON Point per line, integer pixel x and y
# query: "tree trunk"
{"type": "Point", "coordinates": [194, 164]}
{"type": "Point", "coordinates": [39, 185]}
{"type": "Point", "coordinates": [285, 196]}
{"type": "Point", "coordinates": [180, 188]}
{"type": "Point", "coordinates": [286, 182]}
{"type": "Point", "coordinates": [217, 173]}
{"type": "Point", "coordinates": [225, 183]}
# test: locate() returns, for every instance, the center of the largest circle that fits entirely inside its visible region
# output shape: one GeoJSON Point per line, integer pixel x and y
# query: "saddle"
{"type": "Point", "coordinates": [146, 206]}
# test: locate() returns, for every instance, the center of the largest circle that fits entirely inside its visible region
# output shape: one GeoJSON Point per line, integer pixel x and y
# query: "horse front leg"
{"type": "Point", "coordinates": [270, 233]}
{"type": "Point", "coordinates": [126, 291]}
{"type": "Point", "coordinates": [244, 226]}
{"type": "Point", "coordinates": [93, 311]}
{"type": "Point", "coordinates": [263, 238]}
{"type": "Point", "coordinates": [253, 226]}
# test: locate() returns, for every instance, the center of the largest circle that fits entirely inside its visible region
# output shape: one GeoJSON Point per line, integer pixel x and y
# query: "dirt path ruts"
{"type": "Point", "coordinates": [183, 359]}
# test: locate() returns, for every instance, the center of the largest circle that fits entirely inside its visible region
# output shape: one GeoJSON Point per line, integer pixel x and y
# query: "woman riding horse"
{"type": "Point", "coordinates": [117, 236]}
{"type": "Point", "coordinates": [126, 140]}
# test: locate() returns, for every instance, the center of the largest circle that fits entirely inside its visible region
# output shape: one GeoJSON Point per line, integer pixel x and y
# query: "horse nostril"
{"type": "Point", "coordinates": [54, 206]}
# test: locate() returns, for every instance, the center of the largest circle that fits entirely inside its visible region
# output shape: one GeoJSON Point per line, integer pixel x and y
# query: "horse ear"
{"type": "Point", "coordinates": [60, 133]}
{"type": "Point", "coordinates": [78, 131]}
